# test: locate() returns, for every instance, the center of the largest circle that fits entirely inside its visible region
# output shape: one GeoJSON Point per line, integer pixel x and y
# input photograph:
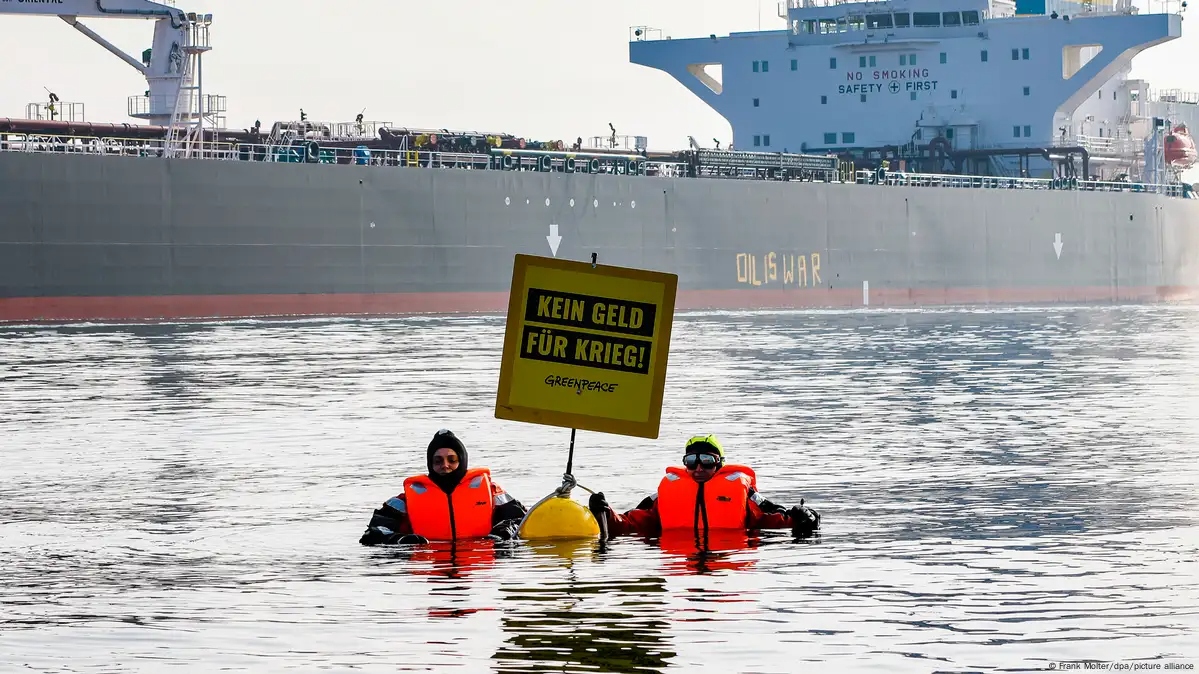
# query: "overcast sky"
{"type": "Point", "coordinates": [545, 69]}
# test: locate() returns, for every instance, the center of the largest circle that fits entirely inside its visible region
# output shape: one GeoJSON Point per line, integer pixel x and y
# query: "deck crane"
{"type": "Point", "coordinates": [172, 67]}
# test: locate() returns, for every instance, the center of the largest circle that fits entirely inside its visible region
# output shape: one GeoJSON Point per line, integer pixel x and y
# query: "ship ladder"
{"type": "Point", "coordinates": [177, 130]}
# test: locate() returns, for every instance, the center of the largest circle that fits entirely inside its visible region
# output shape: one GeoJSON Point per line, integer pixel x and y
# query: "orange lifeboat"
{"type": "Point", "coordinates": [1180, 148]}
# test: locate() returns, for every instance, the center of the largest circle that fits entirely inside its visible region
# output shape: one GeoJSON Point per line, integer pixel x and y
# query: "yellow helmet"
{"type": "Point", "coordinates": [699, 443]}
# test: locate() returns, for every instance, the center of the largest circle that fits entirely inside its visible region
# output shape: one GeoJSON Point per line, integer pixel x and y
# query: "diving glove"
{"type": "Point", "coordinates": [504, 531]}
{"type": "Point", "coordinates": [804, 520]}
{"type": "Point", "coordinates": [598, 504]}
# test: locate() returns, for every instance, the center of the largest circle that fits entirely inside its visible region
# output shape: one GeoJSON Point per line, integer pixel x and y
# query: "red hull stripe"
{"type": "Point", "coordinates": [200, 307]}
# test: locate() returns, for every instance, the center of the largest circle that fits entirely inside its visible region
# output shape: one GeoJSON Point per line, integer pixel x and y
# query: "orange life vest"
{"type": "Point", "coordinates": [463, 513]}
{"type": "Point", "coordinates": [723, 505]}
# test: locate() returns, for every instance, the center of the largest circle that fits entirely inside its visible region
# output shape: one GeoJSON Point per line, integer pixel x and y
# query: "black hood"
{"type": "Point", "coordinates": [445, 438]}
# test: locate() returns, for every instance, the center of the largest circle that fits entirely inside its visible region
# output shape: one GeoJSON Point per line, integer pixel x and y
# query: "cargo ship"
{"type": "Point", "coordinates": [925, 153]}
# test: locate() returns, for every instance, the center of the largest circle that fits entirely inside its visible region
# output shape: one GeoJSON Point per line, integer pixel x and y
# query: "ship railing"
{"type": "Point", "coordinates": [56, 111]}
{"type": "Point", "coordinates": [805, 4]}
{"type": "Point", "coordinates": [502, 159]}
{"type": "Point", "coordinates": [613, 142]}
{"type": "Point", "coordinates": [1107, 145]}
{"type": "Point", "coordinates": [1173, 96]}
{"type": "Point", "coordinates": [1085, 8]}
{"type": "Point", "coordinates": [312, 152]}
{"type": "Point", "coordinates": [555, 161]}
{"type": "Point", "coordinates": [363, 129]}
{"type": "Point", "coordinates": [108, 146]}
{"type": "Point", "coordinates": [646, 34]}
{"type": "Point", "coordinates": [899, 179]}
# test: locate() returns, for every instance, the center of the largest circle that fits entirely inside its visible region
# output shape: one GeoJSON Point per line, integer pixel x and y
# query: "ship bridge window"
{"type": "Point", "coordinates": [926, 19]}
{"type": "Point", "coordinates": [841, 25]}
{"type": "Point", "coordinates": [830, 139]}
{"type": "Point", "coordinates": [827, 26]}
{"type": "Point", "coordinates": [903, 20]}
{"type": "Point", "coordinates": [856, 22]}
{"type": "Point", "coordinates": [970, 18]}
{"type": "Point", "coordinates": [809, 26]}
{"type": "Point", "coordinates": [951, 19]}
{"type": "Point", "coordinates": [875, 21]}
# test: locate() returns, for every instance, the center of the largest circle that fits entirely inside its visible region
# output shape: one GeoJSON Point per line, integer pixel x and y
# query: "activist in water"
{"type": "Point", "coordinates": [705, 494]}
{"type": "Point", "coordinates": [452, 502]}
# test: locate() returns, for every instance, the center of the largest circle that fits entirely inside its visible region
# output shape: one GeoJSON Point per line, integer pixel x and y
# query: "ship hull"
{"type": "Point", "coordinates": [122, 238]}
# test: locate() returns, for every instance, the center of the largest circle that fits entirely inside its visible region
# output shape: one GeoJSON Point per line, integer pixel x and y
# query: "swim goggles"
{"type": "Point", "coordinates": [705, 460]}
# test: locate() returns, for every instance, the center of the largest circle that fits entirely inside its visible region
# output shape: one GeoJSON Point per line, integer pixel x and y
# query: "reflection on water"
{"type": "Point", "coordinates": [609, 624]}
{"type": "Point", "coordinates": [1000, 490]}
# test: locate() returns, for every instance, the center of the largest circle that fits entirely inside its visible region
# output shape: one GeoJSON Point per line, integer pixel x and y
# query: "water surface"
{"type": "Point", "coordinates": [1001, 491]}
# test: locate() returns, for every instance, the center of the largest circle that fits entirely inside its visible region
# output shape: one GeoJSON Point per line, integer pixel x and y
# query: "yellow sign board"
{"type": "Point", "coordinates": [586, 346]}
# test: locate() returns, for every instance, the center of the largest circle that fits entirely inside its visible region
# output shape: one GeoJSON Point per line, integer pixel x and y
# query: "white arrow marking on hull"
{"type": "Point", "coordinates": [554, 240]}
{"type": "Point", "coordinates": [1057, 244]}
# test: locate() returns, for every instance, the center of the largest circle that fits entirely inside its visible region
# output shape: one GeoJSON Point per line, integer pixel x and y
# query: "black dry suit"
{"type": "Point", "coordinates": [390, 524]}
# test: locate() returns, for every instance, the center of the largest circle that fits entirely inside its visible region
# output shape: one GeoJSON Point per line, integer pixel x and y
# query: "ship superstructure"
{"type": "Point", "coordinates": [906, 79]}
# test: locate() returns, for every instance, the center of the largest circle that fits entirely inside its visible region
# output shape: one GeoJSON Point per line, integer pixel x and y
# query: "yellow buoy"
{"type": "Point", "coordinates": [558, 517]}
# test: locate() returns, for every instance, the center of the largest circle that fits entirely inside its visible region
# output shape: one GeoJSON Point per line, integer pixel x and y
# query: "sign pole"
{"type": "Point", "coordinates": [570, 458]}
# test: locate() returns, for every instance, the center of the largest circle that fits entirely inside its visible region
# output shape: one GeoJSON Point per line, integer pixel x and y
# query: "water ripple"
{"type": "Point", "coordinates": [1002, 490]}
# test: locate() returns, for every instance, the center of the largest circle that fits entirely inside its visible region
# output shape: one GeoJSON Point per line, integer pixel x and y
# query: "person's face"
{"type": "Point", "coordinates": [445, 461]}
{"type": "Point", "coordinates": [701, 466]}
